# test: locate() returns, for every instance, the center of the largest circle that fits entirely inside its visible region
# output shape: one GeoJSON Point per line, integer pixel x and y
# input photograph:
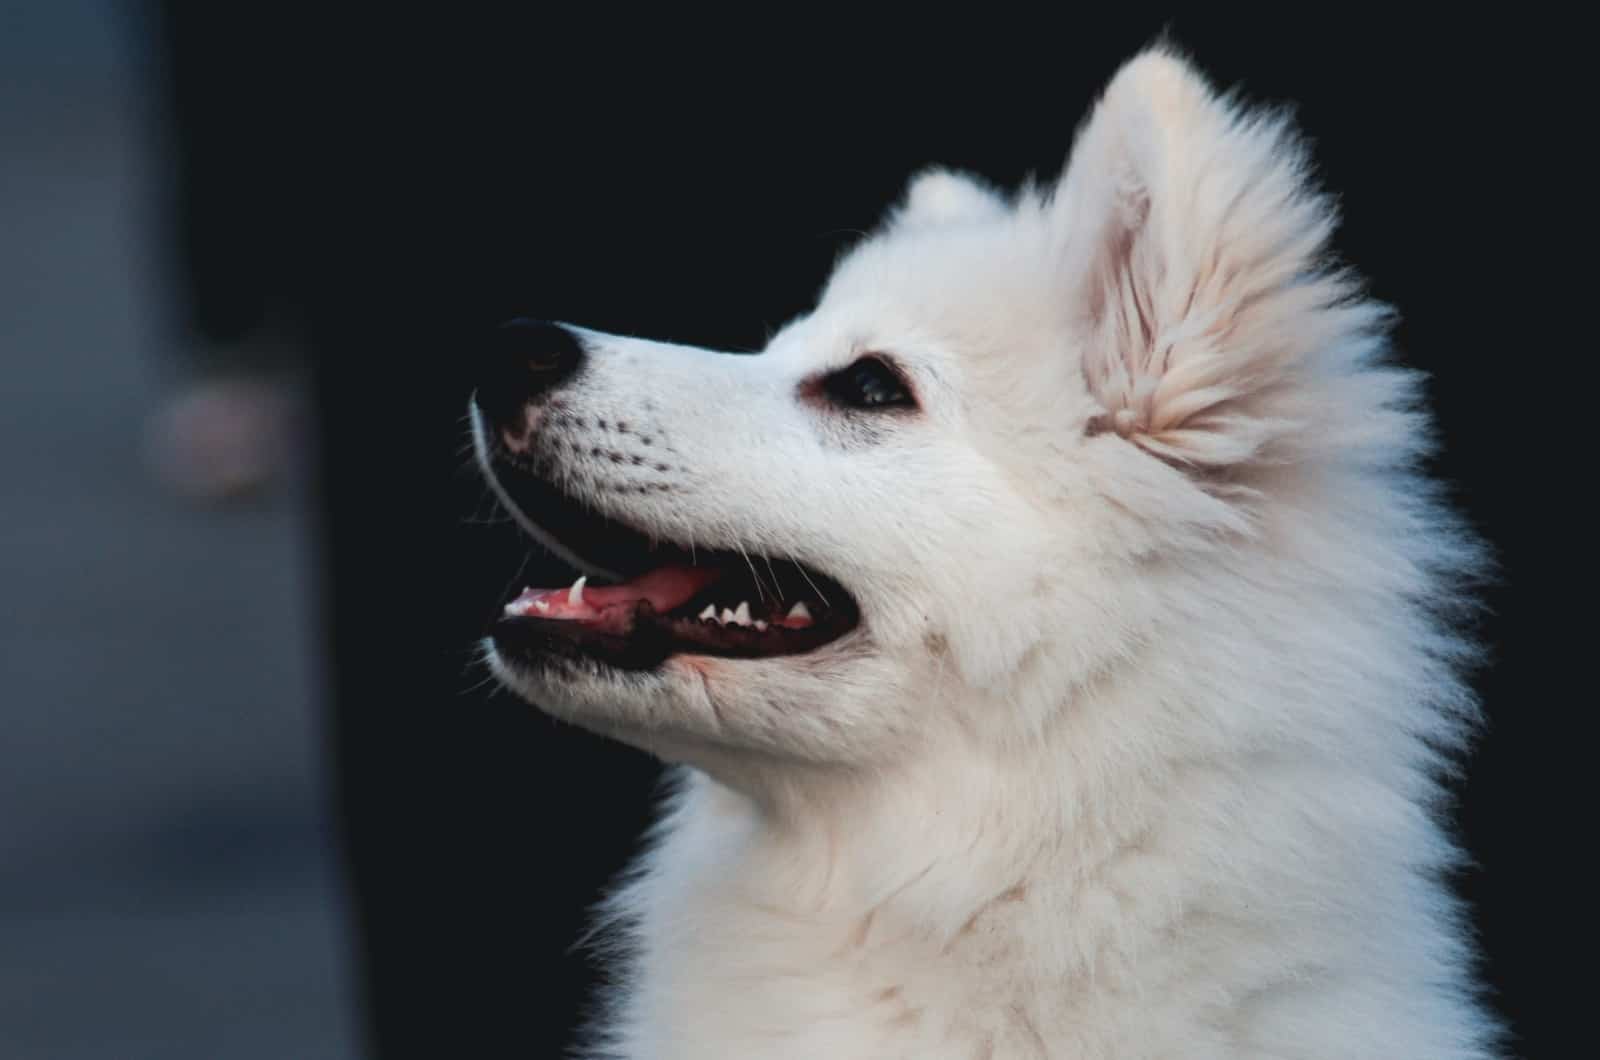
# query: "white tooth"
{"type": "Point", "coordinates": [727, 616]}
{"type": "Point", "coordinates": [742, 616]}
{"type": "Point", "coordinates": [800, 610]}
{"type": "Point", "coordinates": [543, 605]}
{"type": "Point", "coordinates": [761, 625]}
{"type": "Point", "coordinates": [709, 614]}
{"type": "Point", "coordinates": [575, 594]}
{"type": "Point", "coordinates": [514, 609]}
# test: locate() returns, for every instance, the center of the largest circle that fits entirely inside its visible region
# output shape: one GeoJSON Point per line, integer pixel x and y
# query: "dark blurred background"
{"type": "Point", "coordinates": [255, 798]}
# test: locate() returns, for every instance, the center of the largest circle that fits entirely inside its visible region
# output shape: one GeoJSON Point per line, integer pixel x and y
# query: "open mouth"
{"type": "Point", "coordinates": [656, 599]}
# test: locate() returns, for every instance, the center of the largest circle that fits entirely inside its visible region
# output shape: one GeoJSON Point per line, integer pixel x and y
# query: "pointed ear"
{"type": "Point", "coordinates": [943, 196]}
{"type": "Point", "coordinates": [1193, 249]}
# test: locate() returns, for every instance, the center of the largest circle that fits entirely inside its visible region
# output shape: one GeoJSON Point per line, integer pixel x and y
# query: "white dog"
{"type": "Point", "coordinates": [1052, 627]}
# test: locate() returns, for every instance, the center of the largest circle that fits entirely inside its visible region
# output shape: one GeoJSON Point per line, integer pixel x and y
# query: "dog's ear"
{"type": "Point", "coordinates": [943, 196]}
{"type": "Point", "coordinates": [1193, 245]}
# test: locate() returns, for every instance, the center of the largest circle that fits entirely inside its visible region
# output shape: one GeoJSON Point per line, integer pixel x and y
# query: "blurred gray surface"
{"type": "Point", "coordinates": [166, 881]}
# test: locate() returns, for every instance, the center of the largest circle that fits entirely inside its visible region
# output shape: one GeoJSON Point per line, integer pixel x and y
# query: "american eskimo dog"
{"type": "Point", "coordinates": [1052, 629]}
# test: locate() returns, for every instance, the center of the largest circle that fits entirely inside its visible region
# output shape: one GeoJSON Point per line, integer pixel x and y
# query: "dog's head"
{"type": "Point", "coordinates": [950, 495]}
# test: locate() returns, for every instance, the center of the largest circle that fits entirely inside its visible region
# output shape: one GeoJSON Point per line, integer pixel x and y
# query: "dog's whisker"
{"type": "Point", "coordinates": [760, 586]}
{"type": "Point", "coordinates": [802, 569]}
{"type": "Point", "coordinates": [517, 577]}
{"type": "Point", "coordinates": [777, 586]}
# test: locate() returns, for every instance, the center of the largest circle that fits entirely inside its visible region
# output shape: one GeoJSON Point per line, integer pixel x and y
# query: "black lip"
{"type": "Point", "coordinates": [530, 639]}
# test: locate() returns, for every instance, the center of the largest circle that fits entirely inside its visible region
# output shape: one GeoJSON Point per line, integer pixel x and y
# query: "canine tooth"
{"type": "Point", "coordinates": [727, 616]}
{"type": "Point", "coordinates": [799, 611]}
{"type": "Point", "coordinates": [709, 614]}
{"type": "Point", "coordinates": [742, 616]}
{"type": "Point", "coordinates": [575, 594]}
{"type": "Point", "coordinates": [761, 624]}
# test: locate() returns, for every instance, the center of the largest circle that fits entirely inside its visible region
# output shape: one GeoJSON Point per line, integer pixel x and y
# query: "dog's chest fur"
{"type": "Point", "coordinates": [745, 949]}
{"type": "Point", "coordinates": [728, 966]}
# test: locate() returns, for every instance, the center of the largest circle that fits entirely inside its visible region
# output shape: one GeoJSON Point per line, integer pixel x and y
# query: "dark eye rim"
{"type": "Point", "coordinates": [833, 388]}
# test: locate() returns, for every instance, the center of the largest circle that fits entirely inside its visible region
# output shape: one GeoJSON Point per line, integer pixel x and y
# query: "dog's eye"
{"type": "Point", "coordinates": [869, 383]}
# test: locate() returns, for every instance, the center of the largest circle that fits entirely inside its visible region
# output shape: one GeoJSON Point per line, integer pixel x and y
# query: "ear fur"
{"type": "Point", "coordinates": [1193, 245]}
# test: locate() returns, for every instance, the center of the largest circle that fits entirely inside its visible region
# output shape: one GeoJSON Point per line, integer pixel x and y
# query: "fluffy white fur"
{"type": "Point", "coordinates": [1137, 750]}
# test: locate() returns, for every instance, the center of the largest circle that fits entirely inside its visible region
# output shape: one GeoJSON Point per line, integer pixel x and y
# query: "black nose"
{"type": "Point", "coordinates": [526, 358]}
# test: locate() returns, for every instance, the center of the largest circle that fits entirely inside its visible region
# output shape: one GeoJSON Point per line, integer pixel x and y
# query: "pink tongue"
{"type": "Point", "coordinates": [665, 588]}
